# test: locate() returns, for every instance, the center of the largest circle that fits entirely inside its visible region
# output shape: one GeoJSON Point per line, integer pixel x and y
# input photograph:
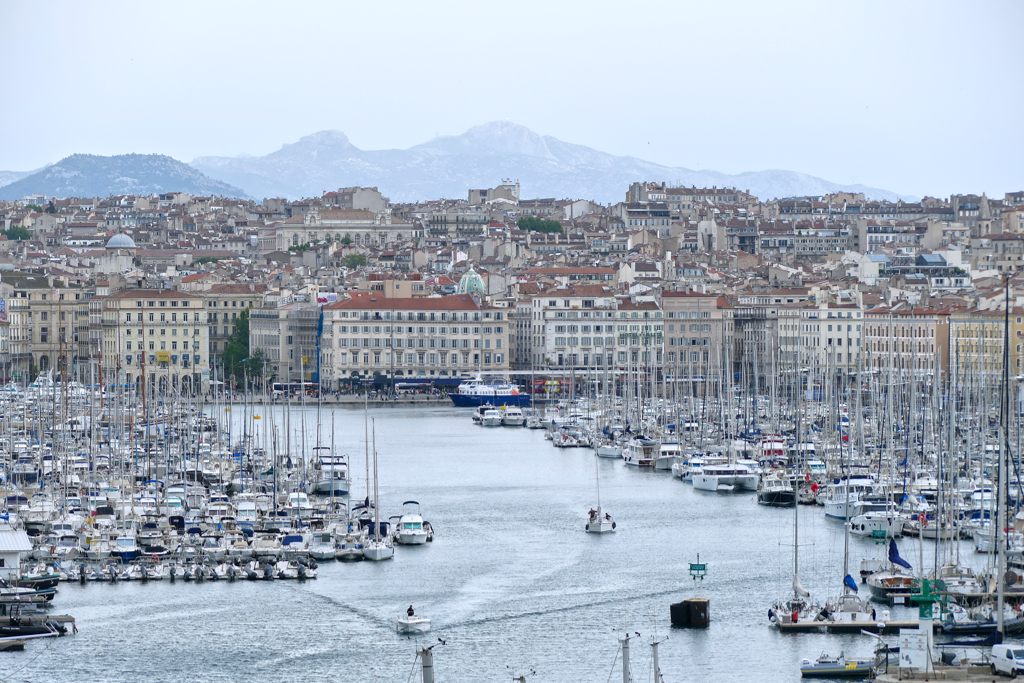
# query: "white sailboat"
{"type": "Point", "coordinates": [378, 547]}
{"type": "Point", "coordinates": [599, 521]}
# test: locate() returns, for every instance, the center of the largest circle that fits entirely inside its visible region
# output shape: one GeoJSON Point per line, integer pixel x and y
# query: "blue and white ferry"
{"type": "Point", "coordinates": [477, 392]}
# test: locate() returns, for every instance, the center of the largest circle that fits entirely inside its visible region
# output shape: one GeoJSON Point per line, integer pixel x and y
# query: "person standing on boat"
{"type": "Point", "coordinates": [410, 611]}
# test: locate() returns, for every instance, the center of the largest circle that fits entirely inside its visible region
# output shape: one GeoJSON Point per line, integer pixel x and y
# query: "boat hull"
{"type": "Point", "coordinates": [779, 499]}
{"type": "Point", "coordinates": [412, 625]}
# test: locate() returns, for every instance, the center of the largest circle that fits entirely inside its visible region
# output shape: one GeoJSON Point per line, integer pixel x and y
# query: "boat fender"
{"type": "Point", "coordinates": [771, 615]}
{"type": "Point", "coordinates": [613, 525]}
{"type": "Point", "coordinates": [586, 528]}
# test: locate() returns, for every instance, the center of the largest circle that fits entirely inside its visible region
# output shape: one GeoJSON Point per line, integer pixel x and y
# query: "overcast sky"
{"type": "Point", "coordinates": [915, 97]}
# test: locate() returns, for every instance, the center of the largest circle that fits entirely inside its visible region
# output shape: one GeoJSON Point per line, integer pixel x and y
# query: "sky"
{"type": "Point", "coordinates": [921, 98]}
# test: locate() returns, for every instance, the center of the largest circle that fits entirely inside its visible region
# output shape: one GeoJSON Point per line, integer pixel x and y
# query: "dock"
{"type": "Point", "coordinates": [12, 645]}
{"type": "Point", "coordinates": [890, 627]}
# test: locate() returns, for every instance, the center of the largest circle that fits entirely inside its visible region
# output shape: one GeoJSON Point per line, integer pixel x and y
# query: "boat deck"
{"type": "Point", "coordinates": [854, 627]}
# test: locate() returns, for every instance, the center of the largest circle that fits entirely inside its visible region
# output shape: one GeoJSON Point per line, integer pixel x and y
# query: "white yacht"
{"type": "Point", "coordinates": [331, 474]}
{"type": "Point", "coordinates": [725, 477]}
{"type": "Point", "coordinates": [608, 449]}
{"type": "Point", "coordinates": [846, 493]}
{"type": "Point", "coordinates": [889, 522]}
{"type": "Point", "coordinates": [669, 454]}
{"type": "Point", "coordinates": [410, 528]}
{"type": "Point", "coordinates": [512, 416]}
{"type": "Point", "coordinates": [640, 452]}
{"type": "Point", "coordinates": [491, 418]}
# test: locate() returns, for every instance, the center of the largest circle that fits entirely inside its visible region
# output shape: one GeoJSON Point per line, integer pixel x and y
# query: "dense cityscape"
{"type": "Point", "coordinates": [498, 283]}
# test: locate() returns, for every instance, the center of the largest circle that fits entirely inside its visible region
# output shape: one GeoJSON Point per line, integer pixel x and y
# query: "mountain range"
{"type": "Point", "coordinates": [89, 175]}
{"type": "Point", "coordinates": [446, 166]}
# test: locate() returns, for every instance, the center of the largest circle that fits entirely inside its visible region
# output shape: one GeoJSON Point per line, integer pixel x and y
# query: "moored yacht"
{"type": "Point", "coordinates": [640, 452]}
{"type": "Point", "coordinates": [410, 529]}
{"type": "Point", "coordinates": [512, 416]}
{"type": "Point", "coordinates": [725, 477]}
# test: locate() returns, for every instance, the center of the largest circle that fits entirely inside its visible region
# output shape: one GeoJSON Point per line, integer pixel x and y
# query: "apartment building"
{"type": "Point", "coordinates": [370, 335]}
{"type": "Point", "coordinates": [907, 339]}
{"type": "Point", "coordinates": [571, 326]}
{"type": "Point", "coordinates": [699, 331]}
{"type": "Point", "coordinates": [157, 339]}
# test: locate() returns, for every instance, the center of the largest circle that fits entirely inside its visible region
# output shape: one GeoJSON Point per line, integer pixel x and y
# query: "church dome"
{"type": "Point", "coordinates": [471, 282]}
{"type": "Point", "coordinates": [121, 241]}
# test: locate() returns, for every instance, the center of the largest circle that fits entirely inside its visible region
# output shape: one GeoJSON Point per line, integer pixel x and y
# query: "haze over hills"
{"type": "Point", "coordinates": [89, 175]}
{"type": "Point", "coordinates": [448, 166]}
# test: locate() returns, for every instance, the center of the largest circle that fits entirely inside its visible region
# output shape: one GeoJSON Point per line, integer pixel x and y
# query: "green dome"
{"type": "Point", "coordinates": [471, 282]}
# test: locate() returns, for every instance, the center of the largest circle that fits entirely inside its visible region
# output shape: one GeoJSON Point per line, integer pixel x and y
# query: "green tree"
{"type": "Point", "coordinates": [236, 358]}
{"type": "Point", "coordinates": [34, 208]}
{"type": "Point", "coordinates": [346, 240]}
{"type": "Point", "coordinates": [534, 224]}
{"type": "Point", "coordinates": [17, 232]}
{"type": "Point", "coordinates": [50, 208]}
{"type": "Point", "coordinates": [353, 261]}
{"type": "Point", "coordinates": [206, 259]}
{"type": "Point", "coordinates": [300, 247]}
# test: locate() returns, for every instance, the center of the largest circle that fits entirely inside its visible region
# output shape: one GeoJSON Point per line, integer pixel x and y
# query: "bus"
{"type": "Point", "coordinates": [293, 388]}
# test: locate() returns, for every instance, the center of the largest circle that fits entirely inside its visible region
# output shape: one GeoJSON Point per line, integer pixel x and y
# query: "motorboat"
{"type": "Point", "coordinates": [776, 490]}
{"type": "Point", "coordinates": [491, 418]}
{"type": "Point", "coordinates": [321, 546]}
{"type": "Point", "coordinates": [836, 667]}
{"type": "Point", "coordinates": [410, 528]}
{"type": "Point", "coordinates": [512, 416]}
{"type": "Point", "coordinates": [478, 413]}
{"type": "Point", "coordinates": [608, 449]}
{"type": "Point", "coordinates": [874, 523]}
{"type": "Point", "coordinates": [350, 549]}
{"type": "Point", "coordinates": [669, 454]}
{"type": "Point", "coordinates": [412, 624]}
{"type": "Point", "coordinates": [331, 472]}
{"type": "Point", "coordinates": [640, 452]}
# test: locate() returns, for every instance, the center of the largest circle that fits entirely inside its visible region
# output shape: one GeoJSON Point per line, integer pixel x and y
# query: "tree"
{"type": "Point", "coordinates": [346, 240]}
{"type": "Point", "coordinates": [353, 261]}
{"type": "Point", "coordinates": [300, 247]}
{"type": "Point", "coordinates": [237, 360]}
{"type": "Point", "coordinates": [34, 208]}
{"type": "Point", "coordinates": [50, 208]}
{"type": "Point", "coordinates": [534, 224]}
{"type": "Point", "coordinates": [205, 259]}
{"type": "Point", "coordinates": [17, 232]}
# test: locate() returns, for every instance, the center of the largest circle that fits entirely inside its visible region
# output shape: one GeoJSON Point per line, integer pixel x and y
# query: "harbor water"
{"type": "Point", "coordinates": [512, 582]}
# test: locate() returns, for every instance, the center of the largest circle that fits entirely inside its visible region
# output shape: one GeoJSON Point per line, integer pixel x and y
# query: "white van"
{"type": "Point", "coordinates": [1007, 659]}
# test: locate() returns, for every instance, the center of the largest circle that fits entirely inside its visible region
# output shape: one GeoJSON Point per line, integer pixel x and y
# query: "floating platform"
{"type": "Point", "coordinates": [691, 613]}
{"type": "Point", "coordinates": [12, 645]}
{"type": "Point", "coordinates": [891, 627]}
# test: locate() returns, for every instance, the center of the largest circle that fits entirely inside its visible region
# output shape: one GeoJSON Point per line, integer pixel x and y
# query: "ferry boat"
{"type": "Point", "coordinates": [476, 392]}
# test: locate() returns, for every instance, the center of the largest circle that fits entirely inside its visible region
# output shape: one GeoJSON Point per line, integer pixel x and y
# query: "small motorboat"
{"type": "Point", "coordinates": [412, 624]}
{"type": "Point", "coordinates": [836, 667]}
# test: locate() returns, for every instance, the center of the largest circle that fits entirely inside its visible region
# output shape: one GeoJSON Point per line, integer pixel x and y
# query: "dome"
{"type": "Point", "coordinates": [121, 241]}
{"type": "Point", "coordinates": [471, 282]}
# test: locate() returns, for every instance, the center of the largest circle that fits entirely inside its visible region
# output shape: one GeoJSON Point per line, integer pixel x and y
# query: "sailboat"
{"type": "Point", "coordinates": [599, 521]}
{"type": "Point", "coordinates": [379, 546]}
{"type": "Point", "coordinates": [797, 608]}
